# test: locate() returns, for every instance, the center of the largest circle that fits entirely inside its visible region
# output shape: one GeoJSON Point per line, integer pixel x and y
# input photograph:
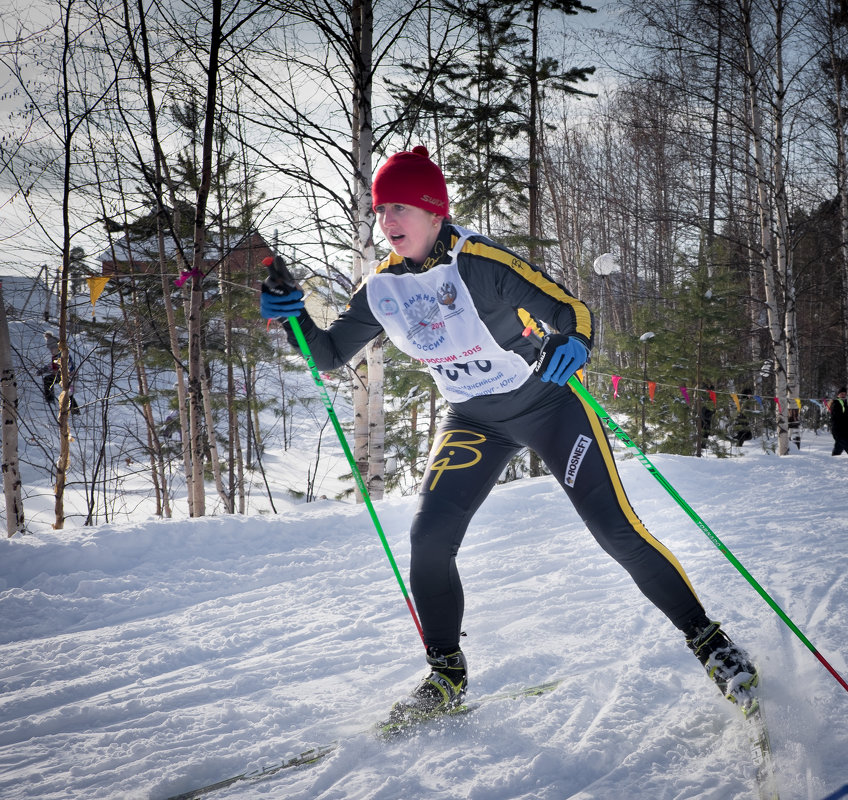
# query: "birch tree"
{"type": "Point", "coordinates": [830, 28]}
{"type": "Point", "coordinates": [59, 102]}
{"type": "Point", "coordinates": [9, 420]}
{"type": "Point", "coordinates": [322, 135]}
{"type": "Point", "coordinates": [773, 218]}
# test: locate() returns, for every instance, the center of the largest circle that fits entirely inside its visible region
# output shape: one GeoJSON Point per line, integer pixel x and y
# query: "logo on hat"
{"type": "Point", "coordinates": [433, 201]}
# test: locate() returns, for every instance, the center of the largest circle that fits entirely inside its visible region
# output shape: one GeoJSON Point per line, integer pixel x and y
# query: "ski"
{"type": "Point", "coordinates": [758, 735]}
{"type": "Point", "coordinates": [306, 758]}
{"type": "Point", "coordinates": [315, 754]}
{"type": "Point", "coordinates": [390, 729]}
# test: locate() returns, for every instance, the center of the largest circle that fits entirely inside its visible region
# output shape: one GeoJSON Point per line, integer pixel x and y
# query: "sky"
{"type": "Point", "coordinates": [144, 657]}
{"type": "Point", "coordinates": [32, 236]}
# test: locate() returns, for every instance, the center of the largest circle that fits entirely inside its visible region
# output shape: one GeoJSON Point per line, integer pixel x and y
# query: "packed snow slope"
{"type": "Point", "coordinates": [142, 659]}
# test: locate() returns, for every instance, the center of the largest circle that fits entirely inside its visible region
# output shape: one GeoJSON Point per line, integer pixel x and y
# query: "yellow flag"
{"type": "Point", "coordinates": [95, 287]}
{"type": "Point", "coordinates": [736, 400]}
{"type": "Point", "coordinates": [798, 401]}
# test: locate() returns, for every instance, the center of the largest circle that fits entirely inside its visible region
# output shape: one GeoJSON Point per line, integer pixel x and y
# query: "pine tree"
{"type": "Point", "coordinates": [696, 349]}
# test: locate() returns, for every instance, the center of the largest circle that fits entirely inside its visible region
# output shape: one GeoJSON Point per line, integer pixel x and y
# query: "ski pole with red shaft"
{"type": "Point", "coordinates": [281, 281]}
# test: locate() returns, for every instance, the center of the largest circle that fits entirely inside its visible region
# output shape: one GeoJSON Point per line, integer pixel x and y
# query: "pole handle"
{"type": "Point", "coordinates": [280, 279]}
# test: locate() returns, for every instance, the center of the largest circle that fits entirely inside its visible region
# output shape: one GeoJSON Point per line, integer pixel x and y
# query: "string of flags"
{"type": "Point", "coordinates": [97, 284]}
{"type": "Point", "coordinates": [711, 393]}
{"type": "Point", "coordinates": [187, 274]}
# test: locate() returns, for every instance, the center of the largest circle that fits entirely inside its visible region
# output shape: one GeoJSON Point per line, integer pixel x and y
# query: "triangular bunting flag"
{"type": "Point", "coordinates": [96, 287]}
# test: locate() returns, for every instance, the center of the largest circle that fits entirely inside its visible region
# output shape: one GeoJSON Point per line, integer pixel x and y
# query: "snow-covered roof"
{"type": "Point", "coordinates": [148, 250]}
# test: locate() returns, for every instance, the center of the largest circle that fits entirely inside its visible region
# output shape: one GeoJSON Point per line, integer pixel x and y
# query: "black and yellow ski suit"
{"type": "Point", "coordinates": [465, 313]}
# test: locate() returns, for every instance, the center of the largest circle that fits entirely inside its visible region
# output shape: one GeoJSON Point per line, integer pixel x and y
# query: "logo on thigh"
{"type": "Point", "coordinates": [456, 450]}
{"type": "Point", "coordinates": [576, 458]}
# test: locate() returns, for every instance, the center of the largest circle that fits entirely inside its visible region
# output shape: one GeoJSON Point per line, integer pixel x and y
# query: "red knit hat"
{"type": "Point", "coordinates": [411, 178]}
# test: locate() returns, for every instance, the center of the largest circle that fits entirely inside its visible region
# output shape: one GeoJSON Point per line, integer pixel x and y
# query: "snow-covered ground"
{"type": "Point", "coordinates": [143, 659]}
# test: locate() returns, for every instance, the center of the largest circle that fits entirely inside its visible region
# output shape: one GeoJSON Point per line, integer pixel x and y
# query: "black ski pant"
{"type": "Point", "coordinates": [473, 445]}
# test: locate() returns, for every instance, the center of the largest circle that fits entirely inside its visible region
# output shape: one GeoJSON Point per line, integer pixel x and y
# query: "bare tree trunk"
{"type": "Point", "coordinates": [711, 209]}
{"type": "Point", "coordinates": [784, 243]}
{"type": "Point", "coordinates": [133, 331]}
{"type": "Point", "coordinates": [370, 426]}
{"type": "Point", "coordinates": [233, 443]}
{"type": "Point", "coordinates": [9, 420]}
{"type": "Point", "coordinates": [159, 173]}
{"type": "Point", "coordinates": [376, 480]}
{"type": "Point", "coordinates": [214, 458]}
{"type": "Point", "coordinates": [359, 392]}
{"type": "Point", "coordinates": [837, 69]}
{"type": "Point", "coordinates": [195, 318]}
{"type": "Point", "coordinates": [767, 244]}
{"type": "Point", "coordinates": [179, 369]}
{"type": "Point", "coordinates": [160, 484]}
{"type": "Point", "coordinates": [533, 188]}
{"type": "Point", "coordinates": [228, 493]}
{"type": "Point", "coordinates": [64, 398]}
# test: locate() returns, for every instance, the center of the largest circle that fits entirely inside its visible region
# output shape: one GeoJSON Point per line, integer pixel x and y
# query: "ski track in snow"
{"type": "Point", "coordinates": [144, 659]}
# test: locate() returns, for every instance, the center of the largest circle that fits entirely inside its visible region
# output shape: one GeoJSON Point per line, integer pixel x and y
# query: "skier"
{"type": "Point", "coordinates": [472, 312]}
{"type": "Point", "coordinates": [839, 422]}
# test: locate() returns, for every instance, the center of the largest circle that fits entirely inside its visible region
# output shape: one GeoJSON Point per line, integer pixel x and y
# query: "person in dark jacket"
{"type": "Point", "coordinates": [50, 373]}
{"type": "Point", "coordinates": [501, 339]}
{"type": "Point", "coordinates": [839, 422]}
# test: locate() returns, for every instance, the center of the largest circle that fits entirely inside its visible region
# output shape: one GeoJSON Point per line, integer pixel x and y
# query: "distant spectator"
{"type": "Point", "coordinates": [794, 420]}
{"type": "Point", "coordinates": [839, 422]}
{"type": "Point", "coordinates": [706, 422]}
{"type": "Point", "coordinates": [741, 430]}
{"type": "Point", "coordinates": [50, 372]}
{"type": "Point", "coordinates": [170, 427]}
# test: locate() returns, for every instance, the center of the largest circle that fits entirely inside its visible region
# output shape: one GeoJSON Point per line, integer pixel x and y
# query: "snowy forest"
{"type": "Point", "coordinates": [681, 166]}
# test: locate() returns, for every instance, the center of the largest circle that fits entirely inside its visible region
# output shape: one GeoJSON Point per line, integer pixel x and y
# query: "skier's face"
{"type": "Point", "coordinates": [411, 231]}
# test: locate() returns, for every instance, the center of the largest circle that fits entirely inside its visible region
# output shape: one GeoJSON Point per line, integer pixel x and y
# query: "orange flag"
{"type": "Point", "coordinates": [96, 287]}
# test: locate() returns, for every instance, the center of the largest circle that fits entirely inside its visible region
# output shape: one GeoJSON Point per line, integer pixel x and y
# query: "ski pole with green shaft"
{"type": "Point", "coordinates": [581, 392]}
{"type": "Point", "coordinates": [281, 281]}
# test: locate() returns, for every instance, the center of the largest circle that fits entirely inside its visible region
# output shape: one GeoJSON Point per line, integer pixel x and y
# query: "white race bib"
{"type": "Point", "coordinates": [431, 316]}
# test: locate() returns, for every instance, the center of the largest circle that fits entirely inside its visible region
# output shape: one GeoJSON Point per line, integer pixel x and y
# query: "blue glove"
{"type": "Point", "coordinates": [560, 357]}
{"type": "Point", "coordinates": [272, 306]}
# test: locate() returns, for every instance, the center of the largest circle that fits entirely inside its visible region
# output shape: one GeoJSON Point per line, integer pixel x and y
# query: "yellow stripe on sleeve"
{"type": "Point", "coordinates": [538, 279]}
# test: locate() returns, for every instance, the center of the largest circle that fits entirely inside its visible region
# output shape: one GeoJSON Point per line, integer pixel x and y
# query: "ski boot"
{"type": "Point", "coordinates": [440, 692]}
{"type": "Point", "coordinates": [728, 665]}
